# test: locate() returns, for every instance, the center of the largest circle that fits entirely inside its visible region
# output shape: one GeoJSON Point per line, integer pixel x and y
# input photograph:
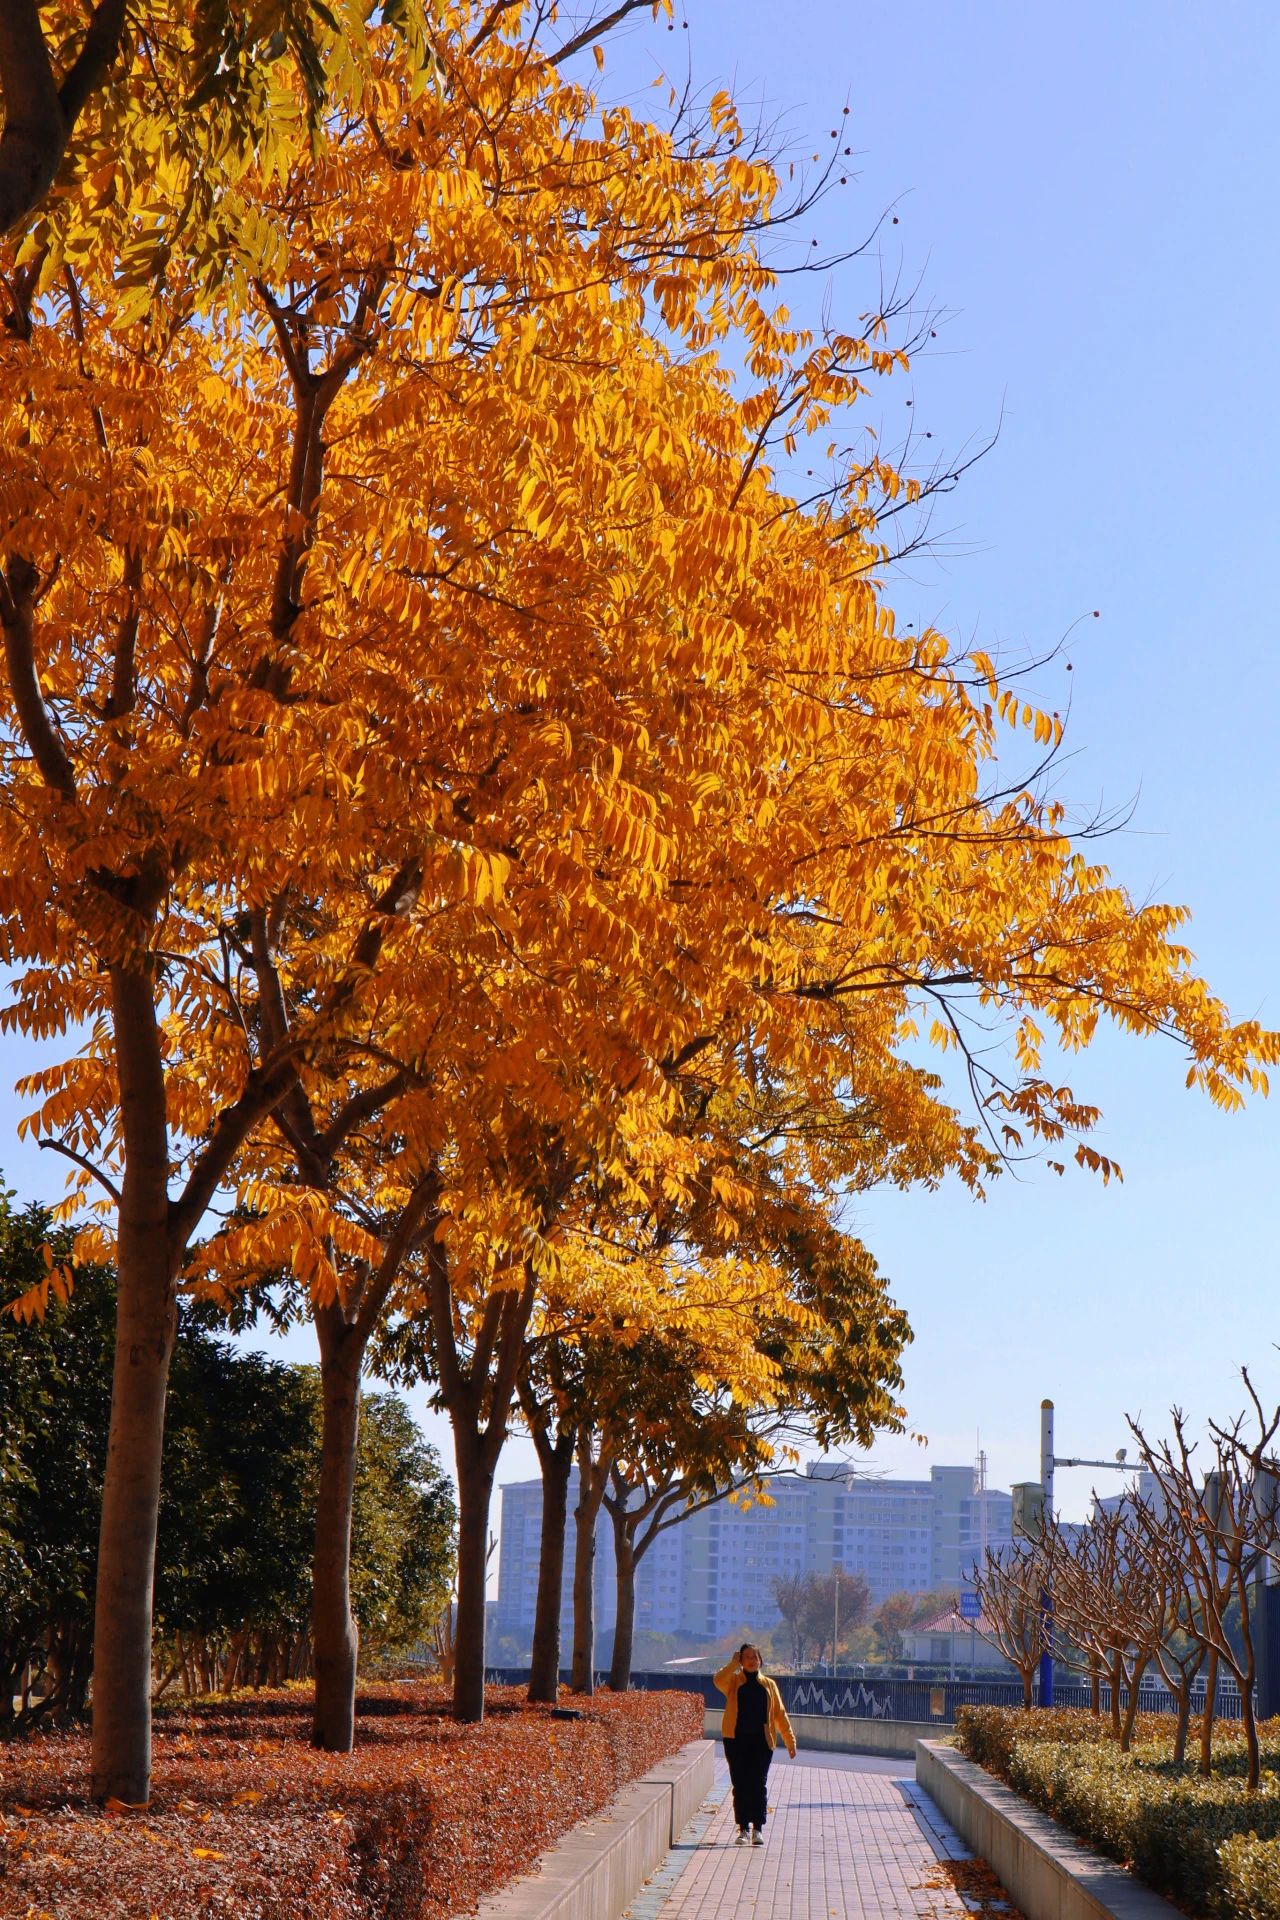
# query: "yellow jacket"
{"type": "Point", "coordinates": [776, 1727]}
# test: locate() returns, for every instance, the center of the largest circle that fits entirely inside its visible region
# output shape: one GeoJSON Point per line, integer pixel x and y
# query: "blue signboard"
{"type": "Point", "coordinates": [970, 1607]}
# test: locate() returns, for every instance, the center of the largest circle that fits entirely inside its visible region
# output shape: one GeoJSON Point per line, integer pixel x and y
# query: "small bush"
{"type": "Point", "coordinates": [247, 1822]}
{"type": "Point", "coordinates": [1250, 1871]}
{"type": "Point", "coordinates": [1208, 1844]}
{"type": "Point", "coordinates": [989, 1734]}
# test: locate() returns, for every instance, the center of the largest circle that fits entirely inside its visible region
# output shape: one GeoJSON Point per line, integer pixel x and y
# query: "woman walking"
{"type": "Point", "coordinates": [754, 1722]}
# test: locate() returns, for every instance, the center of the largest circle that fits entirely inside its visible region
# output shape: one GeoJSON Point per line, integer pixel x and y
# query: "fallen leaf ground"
{"type": "Point", "coordinates": [247, 1822]}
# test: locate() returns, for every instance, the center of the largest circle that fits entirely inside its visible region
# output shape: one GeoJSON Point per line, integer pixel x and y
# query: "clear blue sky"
{"type": "Point", "coordinates": [1089, 195]}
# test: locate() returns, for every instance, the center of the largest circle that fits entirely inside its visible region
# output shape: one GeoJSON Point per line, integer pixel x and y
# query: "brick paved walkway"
{"type": "Point", "coordinates": [842, 1841]}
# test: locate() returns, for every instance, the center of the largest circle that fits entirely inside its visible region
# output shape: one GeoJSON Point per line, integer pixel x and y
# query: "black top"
{"type": "Point", "coordinates": [753, 1708]}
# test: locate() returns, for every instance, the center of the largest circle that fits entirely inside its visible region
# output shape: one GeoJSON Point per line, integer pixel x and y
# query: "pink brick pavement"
{"type": "Point", "coordinates": [840, 1845]}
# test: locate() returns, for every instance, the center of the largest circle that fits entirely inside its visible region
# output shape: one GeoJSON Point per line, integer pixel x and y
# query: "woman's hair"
{"type": "Point", "coordinates": [748, 1646]}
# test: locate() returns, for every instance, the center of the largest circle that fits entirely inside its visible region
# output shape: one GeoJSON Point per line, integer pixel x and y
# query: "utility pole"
{"type": "Point", "coordinates": [1046, 1597]}
{"type": "Point", "coordinates": [980, 1488]}
{"type": "Point", "coordinates": [1048, 1461]}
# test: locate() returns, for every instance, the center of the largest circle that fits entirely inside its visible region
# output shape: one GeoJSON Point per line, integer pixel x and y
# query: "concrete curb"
{"type": "Point", "coordinates": [597, 1868]}
{"type": "Point", "coordinates": [891, 1739]}
{"type": "Point", "coordinates": [1046, 1873]}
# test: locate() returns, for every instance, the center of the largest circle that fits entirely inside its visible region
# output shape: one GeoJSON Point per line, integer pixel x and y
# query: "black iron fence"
{"type": "Point", "coordinates": [868, 1698]}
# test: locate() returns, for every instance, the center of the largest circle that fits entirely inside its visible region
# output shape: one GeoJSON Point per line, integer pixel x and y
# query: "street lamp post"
{"type": "Point", "coordinates": [1048, 1461]}
{"type": "Point", "coordinates": [1046, 1597]}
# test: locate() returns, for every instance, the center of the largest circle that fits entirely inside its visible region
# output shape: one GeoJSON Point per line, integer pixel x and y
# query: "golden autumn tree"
{"type": "Point", "coordinates": [733, 1201]}
{"type": "Point", "coordinates": [165, 669]}
{"type": "Point", "coordinates": [418, 669]}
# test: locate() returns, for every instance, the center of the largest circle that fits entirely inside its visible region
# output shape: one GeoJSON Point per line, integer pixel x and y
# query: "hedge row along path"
{"type": "Point", "coordinates": [847, 1837]}
{"type": "Point", "coordinates": [248, 1822]}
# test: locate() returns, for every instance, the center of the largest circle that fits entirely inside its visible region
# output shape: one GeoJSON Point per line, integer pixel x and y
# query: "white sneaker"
{"type": "Point", "coordinates": [742, 1837]}
{"type": "Point", "coordinates": [757, 1836]}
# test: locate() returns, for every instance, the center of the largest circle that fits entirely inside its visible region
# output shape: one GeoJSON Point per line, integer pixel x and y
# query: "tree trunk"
{"type": "Point", "coordinates": [235, 1660]}
{"type": "Point", "coordinates": [581, 1676]}
{"type": "Point", "coordinates": [1117, 1675]}
{"type": "Point", "coordinates": [624, 1632]}
{"type": "Point", "coordinates": [478, 1398]}
{"type": "Point", "coordinates": [544, 1664]}
{"type": "Point", "coordinates": [146, 1321]}
{"type": "Point", "coordinates": [593, 1478]}
{"type": "Point", "coordinates": [1182, 1724]}
{"type": "Point", "coordinates": [1244, 1679]}
{"type": "Point", "coordinates": [1095, 1688]}
{"type": "Point", "coordinates": [334, 1632]}
{"type": "Point", "coordinates": [1028, 1675]}
{"type": "Point", "coordinates": [1250, 1735]}
{"type": "Point", "coordinates": [475, 1490]}
{"type": "Point", "coordinates": [1131, 1711]}
{"type": "Point", "coordinates": [1210, 1705]}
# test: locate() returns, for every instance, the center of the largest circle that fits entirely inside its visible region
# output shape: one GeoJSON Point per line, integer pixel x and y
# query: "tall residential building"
{"type": "Point", "coordinates": [714, 1572]}
{"type": "Point", "coordinates": [660, 1583]}
{"type": "Point", "coordinates": [1142, 1485]}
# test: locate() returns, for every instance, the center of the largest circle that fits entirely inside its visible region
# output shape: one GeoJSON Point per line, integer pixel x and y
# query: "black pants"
{"type": "Point", "coordinates": [749, 1771]}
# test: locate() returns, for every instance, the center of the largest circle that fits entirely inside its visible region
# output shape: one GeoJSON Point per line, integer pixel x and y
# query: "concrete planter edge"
{"type": "Point", "coordinates": [595, 1871]}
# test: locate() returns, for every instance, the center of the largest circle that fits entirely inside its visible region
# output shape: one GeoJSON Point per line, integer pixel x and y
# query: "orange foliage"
{"type": "Point", "coordinates": [425, 696]}
{"type": "Point", "coordinates": [249, 1823]}
{"type": "Point", "coordinates": [424, 584]}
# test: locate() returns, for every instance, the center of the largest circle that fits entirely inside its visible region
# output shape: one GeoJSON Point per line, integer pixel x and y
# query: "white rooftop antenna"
{"type": "Point", "coordinates": [980, 1491]}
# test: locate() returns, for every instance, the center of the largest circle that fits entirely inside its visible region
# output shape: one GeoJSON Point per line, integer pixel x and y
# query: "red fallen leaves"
{"type": "Point", "coordinates": [977, 1886]}
{"type": "Point", "coordinates": [247, 1822]}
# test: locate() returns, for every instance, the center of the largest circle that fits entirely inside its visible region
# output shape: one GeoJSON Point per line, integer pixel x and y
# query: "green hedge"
{"type": "Point", "coordinates": [989, 1734]}
{"type": "Point", "coordinates": [1250, 1871]}
{"type": "Point", "coordinates": [1207, 1844]}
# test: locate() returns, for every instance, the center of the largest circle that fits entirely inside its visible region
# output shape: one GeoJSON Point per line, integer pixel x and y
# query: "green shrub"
{"type": "Point", "coordinates": [1250, 1871]}
{"type": "Point", "coordinates": [1208, 1844]}
{"type": "Point", "coordinates": [989, 1734]}
{"type": "Point", "coordinates": [1167, 1825]}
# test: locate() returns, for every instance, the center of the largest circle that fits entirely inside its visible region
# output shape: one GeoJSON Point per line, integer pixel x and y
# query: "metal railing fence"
{"type": "Point", "coordinates": [869, 1698]}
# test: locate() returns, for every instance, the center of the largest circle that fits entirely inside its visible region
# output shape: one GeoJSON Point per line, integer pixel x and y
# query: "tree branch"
{"type": "Point", "coordinates": [81, 1160]}
{"type": "Point", "coordinates": [40, 116]}
{"type": "Point", "coordinates": [595, 28]}
{"type": "Point", "coordinates": [17, 616]}
{"type": "Point", "coordinates": [381, 1281]}
{"type": "Point", "coordinates": [359, 1108]}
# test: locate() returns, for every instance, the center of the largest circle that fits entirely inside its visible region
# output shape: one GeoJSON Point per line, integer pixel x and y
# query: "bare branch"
{"type": "Point", "coordinates": [595, 28]}
{"type": "Point", "coordinates": [59, 1146]}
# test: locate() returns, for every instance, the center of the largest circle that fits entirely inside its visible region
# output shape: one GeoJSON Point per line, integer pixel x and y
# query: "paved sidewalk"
{"type": "Point", "coordinates": [857, 1842]}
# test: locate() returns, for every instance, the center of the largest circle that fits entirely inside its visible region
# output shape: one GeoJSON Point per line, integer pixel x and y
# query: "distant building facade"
{"type": "Point", "coordinates": [715, 1570]}
{"type": "Point", "coordinates": [660, 1583]}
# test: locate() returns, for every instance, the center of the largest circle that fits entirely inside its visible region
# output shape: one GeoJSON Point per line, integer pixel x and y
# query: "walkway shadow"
{"type": "Point", "coordinates": [944, 1842]}
{"type": "Point", "coordinates": [957, 1869]}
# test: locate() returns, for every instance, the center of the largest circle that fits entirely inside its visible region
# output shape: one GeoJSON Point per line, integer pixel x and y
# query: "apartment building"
{"type": "Point", "coordinates": [714, 1572]}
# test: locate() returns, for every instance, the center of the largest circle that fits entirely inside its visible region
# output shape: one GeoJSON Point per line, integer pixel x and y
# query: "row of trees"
{"type": "Point", "coordinates": [465, 796]}
{"type": "Point", "coordinates": [816, 1606]}
{"type": "Point", "coordinates": [1165, 1582]}
{"type": "Point", "coordinates": [824, 1612]}
{"type": "Point", "coordinates": [233, 1565]}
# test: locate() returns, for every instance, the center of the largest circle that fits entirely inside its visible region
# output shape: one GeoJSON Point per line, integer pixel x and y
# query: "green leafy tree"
{"type": "Point", "coordinates": [55, 1392]}
{"type": "Point", "coordinates": [403, 1530]}
{"type": "Point", "coordinates": [233, 1561]}
{"type": "Point", "coordinates": [234, 1550]}
{"type": "Point", "coordinates": [892, 1618]}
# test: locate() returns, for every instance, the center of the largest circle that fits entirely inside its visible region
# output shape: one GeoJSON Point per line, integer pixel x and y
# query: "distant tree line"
{"type": "Point", "coordinates": [237, 1516]}
{"type": "Point", "coordinates": [824, 1612]}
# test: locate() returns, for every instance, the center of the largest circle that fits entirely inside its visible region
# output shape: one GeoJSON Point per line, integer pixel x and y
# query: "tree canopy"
{"type": "Point", "coordinates": [464, 795]}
